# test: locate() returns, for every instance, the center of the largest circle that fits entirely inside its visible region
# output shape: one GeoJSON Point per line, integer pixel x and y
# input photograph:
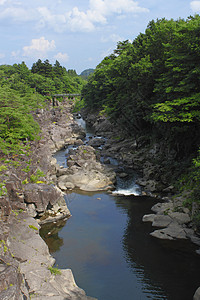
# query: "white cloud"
{"type": "Point", "coordinates": [57, 22]}
{"type": "Point", "coordinates": [2, 2]}
{"type": "Point", "coordinates": [17, 13]}
{"type": "Point", "coordinates": [61, 57]}
{"type": "Point", "coordinates": [195, 6]}
{"type": "Point", "coordinates": [97, 13]}
{"type": "Point", "coordinates": [116, 6]}
{"type": "Point", "coordinates": [79, 21]}
{"type": "Point", "coordinates": [39, 48]}
{"type": "Point", "coordinates": [74, 19]}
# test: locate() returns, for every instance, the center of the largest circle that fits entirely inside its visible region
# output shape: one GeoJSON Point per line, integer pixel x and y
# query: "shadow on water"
{"type": "Point", "coordinates": [167, 267]}
{"type": "Point", "coordinates": [50, 233]}
{"type": "Point", "coordinates": [112, 255]}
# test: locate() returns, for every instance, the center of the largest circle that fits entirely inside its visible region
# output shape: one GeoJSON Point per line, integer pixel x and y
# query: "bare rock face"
{"type": "Point", "coordinates": [25, 262]}
{"type": "Point", "coordinates": [197, 294]}
{"type": "Point", "coordinates": [11, 280]}
{"type": "Point", "coordinates": [41, 195]}
{"type": "Point", "coordinates": [173, 231]}
{"type": "Point", "coordinates": [14, 191]}
{"type": "Point", "coordinates": [96, 142]}
{"type": "Point", "coordinates": [47, 199]}
{"type": "Point", "coordinates": [89, 181]}
{"type": "Point", "coordinates": [85, 172]}
{"type": "Point", "coordinates": [173, 223]}
{"type": "Point", "coordinates": [28, 248]}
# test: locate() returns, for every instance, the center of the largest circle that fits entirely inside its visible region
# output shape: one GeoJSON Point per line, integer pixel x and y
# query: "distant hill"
{"type": "Point", "coordinates": [86, 73]}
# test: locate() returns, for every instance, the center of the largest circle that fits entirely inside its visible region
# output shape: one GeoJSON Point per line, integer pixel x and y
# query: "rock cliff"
{"type": "Point", "coordinates": [30, 197]}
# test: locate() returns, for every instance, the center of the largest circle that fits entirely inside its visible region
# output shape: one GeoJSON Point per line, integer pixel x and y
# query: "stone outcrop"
{"type": "Point", "coordinates": [153, 162]}
{"type": "Point", "coordinates": [197, 294]}
{"type": "Point", "coordinates": [85, 172]}
{"type": "Point", "coordinates": [26, 266]}
{"type": "Point", "coordinates": [32, 276]}
{"type": "Point", "coordinates": [173, 221]}
{"type": "Point", "coordinates": [46, 201]}
{"type": "Point", "coordinates": [155, 165]}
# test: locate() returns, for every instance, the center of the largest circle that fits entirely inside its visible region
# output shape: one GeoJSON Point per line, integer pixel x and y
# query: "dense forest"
{"type": "Point", "coordinates": [151, 88]}
{"type": "Point", "coordinates": [23, 90]}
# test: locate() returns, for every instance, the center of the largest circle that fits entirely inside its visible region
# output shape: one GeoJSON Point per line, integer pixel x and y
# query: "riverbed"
{"type": "Point", "coordinates": [111, 253]}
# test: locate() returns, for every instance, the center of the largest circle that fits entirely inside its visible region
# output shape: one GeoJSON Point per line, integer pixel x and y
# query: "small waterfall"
{"type": "Point", "coordinates": [133, 189]}
{"type": "Point", "coordinates": [80, 121]}
{"type": "Point", "coordinates": [127, 186]}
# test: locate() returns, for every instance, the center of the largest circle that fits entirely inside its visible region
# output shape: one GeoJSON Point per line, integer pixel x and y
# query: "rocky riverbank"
{"type": "Point", "coordinates": [157, 172]}
{"type": "Point", "coordinates": [32, 198]}
{"type": "Point", "coordinates": [156, 169]}
{"type": "Point", "coordinates": [35, 196]}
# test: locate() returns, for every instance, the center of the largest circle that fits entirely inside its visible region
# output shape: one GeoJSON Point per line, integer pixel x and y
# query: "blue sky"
{"type": "Point", "coordinates": [78, 33]}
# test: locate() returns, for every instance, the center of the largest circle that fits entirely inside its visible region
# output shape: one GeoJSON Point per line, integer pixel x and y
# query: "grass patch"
{"type": "Point", "coordinates": [54, 271]}
{"type": "Point", "coordinates": [33, 227]}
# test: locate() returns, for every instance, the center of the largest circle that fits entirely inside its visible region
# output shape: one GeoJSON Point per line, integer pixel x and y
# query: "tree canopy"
{"type": "Point", "coordinates": [22, 91]}
{"type": "Point", "coordinates": [152, 84]}
{"type": "Point", "coordinates": [151, 88]}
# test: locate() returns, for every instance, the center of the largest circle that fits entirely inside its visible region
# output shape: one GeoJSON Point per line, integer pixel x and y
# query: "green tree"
{"type": "Point", "coordinates": [16, 122]}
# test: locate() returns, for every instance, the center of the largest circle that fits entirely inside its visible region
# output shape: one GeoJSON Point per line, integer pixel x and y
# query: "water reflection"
{"type": "Point", "coordinates": [166, 269]}
{"type": "Point", "coordinates": [111, 253]}
{"type": "Point", "coordinates": [49, 232]}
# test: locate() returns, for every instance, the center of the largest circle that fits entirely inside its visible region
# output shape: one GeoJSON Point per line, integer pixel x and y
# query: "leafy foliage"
{"type": "Point", "coordinates": [48, 79]}
{"type": "Point", "coordinates": [22, 91]}
{"type": "Point", "coordinates": [152, 85]}
{"type": "Point", "coordinates": [151, 88]}
{"type": "Point", "coordinates": [16, 122]}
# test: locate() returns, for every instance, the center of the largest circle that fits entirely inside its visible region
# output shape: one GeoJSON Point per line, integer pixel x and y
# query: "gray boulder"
{"type": "Point", "coordinates": [47, 200]}
{"type": "Point", "coordinates": [148, 218]}
{"type": "Point", "coordinates": [85, 172]}
{"type": "Point", "coordinates": [96, 142]}
{"type": "Point", "coordinates": [162, 208]}
{"type": "Point", "coordinates": [180, 218]}
{"type": "Point", "coordinates": [161, 221]}
{"type": "Point", "coordinates": [173, 231]}
{"type": "Point", "coordinates": [41, 195]}
{"type": "Point", "coordinates": [197, 294]}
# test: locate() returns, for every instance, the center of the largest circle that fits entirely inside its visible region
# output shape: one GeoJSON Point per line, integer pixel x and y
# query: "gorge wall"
{"type": "Point", "coordinates": [32, 198]}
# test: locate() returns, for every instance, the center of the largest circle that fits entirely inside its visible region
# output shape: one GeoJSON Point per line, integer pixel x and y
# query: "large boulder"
{"type": "Point", "coordinates": [197, 294]}
{"type": "Point", "coordinates": [180, 218]}
{"type": "Point", "coordinates": [46, 199]}
{"type": "Point", "coordinates": [162, 221]}
{"type": "Point", "coordinates": [85, 172]}
{"type": "Point", "coordinates": [96, 142]}
{"type": "Point", "coordinates": [173, 231]}
{"type": "Point", "coordinates": [59, 133]}
{"type": "Point", "coordinates": [87, 181]}
{"type": "Point", "coordinates": [14, 193]}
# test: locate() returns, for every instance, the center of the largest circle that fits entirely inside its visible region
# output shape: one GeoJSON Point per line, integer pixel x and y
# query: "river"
{"type": "Point", "coordinates": [111, 253]}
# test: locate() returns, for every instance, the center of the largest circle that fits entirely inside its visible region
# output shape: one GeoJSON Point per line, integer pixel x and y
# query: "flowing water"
{"type": "Point", "coordinates": [111, 253]}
